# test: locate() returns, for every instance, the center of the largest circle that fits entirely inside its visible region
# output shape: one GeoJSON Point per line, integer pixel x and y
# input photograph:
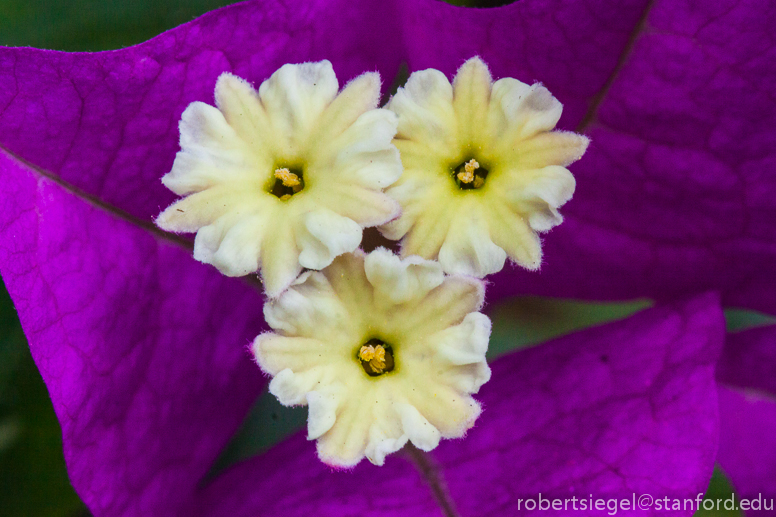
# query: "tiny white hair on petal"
{"type": "Point", "coordinates": [469, 147]}
{"type": "Point", "coordinates": [383, 351]}
{"type": "Point", "coordinates": [283, 177]}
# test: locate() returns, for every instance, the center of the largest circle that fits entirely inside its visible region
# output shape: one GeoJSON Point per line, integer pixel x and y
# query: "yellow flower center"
{"type": "Point", "coordinates": [470, 175]}
{"type": "Point", "coordinates": [467, 175]}
{"type": "Point", "coordinates": [376, 357]}
{"type": "Point", "coordinates": [287, 183]}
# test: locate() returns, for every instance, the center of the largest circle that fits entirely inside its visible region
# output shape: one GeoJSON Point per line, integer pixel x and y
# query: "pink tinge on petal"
{"type": "Point", "coordinates": [747, 447]}
{"type": "Point", "coordinates": [142, 349]}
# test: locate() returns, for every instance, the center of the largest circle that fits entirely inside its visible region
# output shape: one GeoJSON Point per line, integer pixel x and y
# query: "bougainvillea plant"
{"type": "Point", "coordinates": [144, 349]}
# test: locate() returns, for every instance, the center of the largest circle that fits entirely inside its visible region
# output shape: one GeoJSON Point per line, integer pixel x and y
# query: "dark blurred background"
{"type": "Point", "coordinates": [33, 479]}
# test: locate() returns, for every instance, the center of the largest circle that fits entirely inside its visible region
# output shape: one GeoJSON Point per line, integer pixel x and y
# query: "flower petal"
{"type": "Point", "coordinates": [527, 111]}
{"type": "Point", "coordinates": [471, 95]}
{"type": "Point", "coordinates": [322, 410]}
{"type": "Point", "coordinates": [747, 447]}
{"type": "Point", "coordinates": [324, 236]}
{"type": "Point", "coordinates": [137, 343]}
{"type": "Point", "coordinates": [241, 107]}
{"type": "Point", "coordinates": [627, 407]}
{"type": "Point", "coordinates": [276, 353]}
{"type": "Point", "coordinates": [630, 406]}
{"type": "Point", "coordinates": [279, 259]}
{"type": "Point", "coordinates": [239, 251]}
{"type": "Point", "coordinates": [443, 307]}
{"type": "Point", "coordinates": [676, 193]}
{"type": "Point", "coordinates": [468, 248]}
{"type": "Point", "coordinates": [511, 232]}
{"type": "Point", "coordinates": [203, 208]}
{"type": "Point", "coordinates": [294, 98]}
{"type": "Point", "coordinates": [427, 217]}
{"type": "Point", "coordinates": [425, 102]}
{"type": "Point", "coordinates": [448, 410]}
{"type": "Point", "coordinates": [466, 343]}
{"type": "Point", "coordinates": [106, 121]}
{"type": "Point", "coordinates": [400, 280]}
{"type": "Point", "coordinates": [212, 153]}
{"type": "Point", "coordinates": [749, 360]}
{"type": "Point", "coordinates": [364, 206]}
{"type": "Point", "coordinates": [357, 97]}
{"type": "Point", "coordinates": [291, 388]}
{"type": "Point", "coordinates": [305, 487]}
{"type": "Point", "coordinates": [312, 309]}
{"type": "Point", "coordinates": [418, 429]}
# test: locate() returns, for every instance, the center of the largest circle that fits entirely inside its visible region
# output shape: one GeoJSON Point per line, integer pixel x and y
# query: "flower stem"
{"type": "Point", "coordinates": [430, 471]}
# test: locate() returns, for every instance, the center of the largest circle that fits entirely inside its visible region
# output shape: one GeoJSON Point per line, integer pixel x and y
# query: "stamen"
{"type": "Point", "coordinates": [287, 183]}
{"type": "Point", "coordinates": [376, 357]}
{"type": "Point", "coordinates": [470, 175]}
{"type": "Point", "coordinates": [467, 175]}
{"type": "Point", "coordinates": [288, 178]}
{"type": "Point", "coordinates": [367, 353]}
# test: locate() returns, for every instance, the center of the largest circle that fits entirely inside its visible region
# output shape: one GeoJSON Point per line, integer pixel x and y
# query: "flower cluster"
{"type": "Point", "coordinates": [382, 349]}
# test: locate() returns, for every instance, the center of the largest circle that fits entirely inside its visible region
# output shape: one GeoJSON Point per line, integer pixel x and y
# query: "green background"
{"type": "Point", "coordinates": [33, 479]}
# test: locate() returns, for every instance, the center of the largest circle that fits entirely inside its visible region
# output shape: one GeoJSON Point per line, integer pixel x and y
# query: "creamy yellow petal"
{"type": "Point", "coordinates": [399, 281]}
{"type": "Point", "coordinates": [284, 177]}
{"type": "Point", "coordinates": [275, 353]}
{"type": "Point", "coordinates": [359, 96]}
{"type": "Point", "coordinates": [426, 115]}
{"type": "Point", "coordinates": [472, 200]}
{"type": "Point", "coordinates": [468, 248]}
{"type": "Point", "coordinates": [279, 258]}
{"type": "Point", "coordinates": [294, 98]}
{"type": "Point", "coordinates": [322, 234]}
{"type": "Point", "coordinates": [511, 232]}
{"type": "Point", "coordinates": [211, 153]}
{"type": "Point", "coordinates": [471, 97]}
{"type": "Point", "coordinates": [202, 208]}
{"type": "Point", "coordinates": [364, 206]}
{"type": "Point", "coordinates": [311, 308]}
{"type": "Point", "coordinates": [443, 307]}
{"type": "Point", "coordinates": [432, 341]}
{"type": "Point", "coordinates": [242, 109]}
{"type": "Point", "coordinates": [554, 148]}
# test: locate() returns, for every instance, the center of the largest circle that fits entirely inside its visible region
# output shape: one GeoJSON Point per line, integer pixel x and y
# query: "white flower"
{"type": "Point", "coordinates": [284, 178]}
{"type": "Point", "coordinates": [483, 170]}
{"type": "Point", "coordinates": [382, 350]}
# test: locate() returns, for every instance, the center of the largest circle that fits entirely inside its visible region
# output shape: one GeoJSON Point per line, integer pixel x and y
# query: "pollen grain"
{"type": "Point", "coordinates": [288, 178]}
{"type": "Point", "coordinates": [374, 355]}
{"type": "Point", "coordinates": [467, 175]}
